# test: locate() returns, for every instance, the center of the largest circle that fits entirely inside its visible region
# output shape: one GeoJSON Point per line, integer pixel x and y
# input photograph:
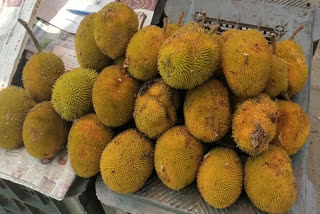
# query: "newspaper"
{"type": "Point", "coordinates": [12, 35]}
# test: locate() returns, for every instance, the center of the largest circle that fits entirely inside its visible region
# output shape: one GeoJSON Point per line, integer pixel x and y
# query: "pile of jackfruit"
{"type": "Point", "coordinates": [183, 100]}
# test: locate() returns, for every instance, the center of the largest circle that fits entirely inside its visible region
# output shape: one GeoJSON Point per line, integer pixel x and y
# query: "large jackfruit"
{"type": "Point", "coordinates": [293, 127]}
{"type": "Point", "coordinates": [220, 177]}
{"type": "Point", "coordinates": [177, 157]}
{"type": "Point", "coordinates": [114, 25]}
{"type": "Point", "coordinates": [72, 93]}
{"type": "Point", "coordinates": [127, 162]}
{"type": "Point", "coordinates": [88, 53]}
{"type": "Point", "coordinates": [40, 73]}
{"type": "Point", "coordinates": [246, 62]}
{"type": "Point", "coordinates": [114, 95]}
{"type": "Point", "coordinates": [269, 181]}
{"type": "Point", "coordinates": [15, 104]}
{"type": "Point", "coordinates": [44, 132]}
{"type": "Point", "coordinates": [87, 139]}
{"type": "Point", "coordinates": [207, 111]}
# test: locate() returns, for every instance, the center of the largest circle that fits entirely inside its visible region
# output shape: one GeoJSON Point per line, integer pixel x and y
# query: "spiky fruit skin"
{"type": "Point", "coordinates": [269, 181]}
{"type": "Point", "coordinates": [188, 59]}
{"type": "Point", "coordinates": [44, 132]}
{"type": "Point", "coordinates": [246, 62]}
{"type": "Point", "coordinates": [88, 53]}
{"type": "Point", "coordinates": [15, 104]}
{"type": "Point", "coordinates": [114, 24]}
{"type": "Point", "coordinates": [292, 53]}
{"type": "Point", "coordinates": [86, 141]}
{"type": "Point", "coordinates": [114, 95]}
{"type": "Point", "coordinates": [191, 26]}
{"type": "Point", "coordinates": [171, 28]}
{"type": "Point", "coordinates": [278, 78]}
{"type": "Point", "coordinates": [40, 73]}
{"type": "Point", "coordinates": [254, 124]}
{"type": "Point", "coordinates": [127, 162]}
{"type": "Point", "coordinates": [207, 111]}
{"type": "Point", "coordinates": [225, 36]}
{"type": "Point", "coordinates": [72, 93]}
{"type": "Point", "coordinates": [177, 157]}
{"type": "Point", "coordinates": [154, 112]}
{"type": "Point", "coordinates": [293, 127]}
{"type": "Point", "coordinates": [220, 177]}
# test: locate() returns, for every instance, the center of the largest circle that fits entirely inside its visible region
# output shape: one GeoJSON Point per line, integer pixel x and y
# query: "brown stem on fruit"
{"type": "Point", "coordinates": [144, 17]}
{"type": "Point", "coordinates": [180, 18]}
{"type": "Point", "coordinates": [165, 24]}
{"type": "Point", "coordinates": [274, 44]}
{"type": "Point", "coordinates": [296, 31]}
{"type": "Point", "coordinates": [204, 15]}
{"type": "Point", "coordinates": [213, 29]}
{"type": "Point", "coordinates": [117, 0]}
{"type": "Point", "coordinates": [34, 40]}
{"type": "Point", "coordinates": [286, 96]}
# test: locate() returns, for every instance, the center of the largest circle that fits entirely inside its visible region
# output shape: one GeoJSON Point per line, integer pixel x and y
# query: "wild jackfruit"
{"type": "Point", "coordinates": [15, 104]}
{"type": "Point", "coordinates": [114, 95]}
{"type": "Point", "coordinates": [254, 124]}
{"type": "Point", "coordinates": [246, 62]}
{"type": "Point", "coordinates": [40, 73]}
{"type": "Point", "coordinates": [207, 111]}
{"type": "Point", "coordinates": [225, 36]}
{"type": "Point", "coordinates": [293, 127]}
{"type": "Point", "coordinates": [269, 181]}
{"type": "Point", "coordinates": [44, 132]}
{"type": "Point", "coordinates": [177, 157]}
{"type": "Point", "coordinates": [172, 27]}
{"type": "Point", "coordinates": [87, 139]}
{"type": "Point", "coordinates": [72, 93]}
{"type": "Point", "coordinates": [220, 177]}
{"type": "Point", "coordinates": [88, 53]}
{"type": "Point", "coordinates": [114, 24]}
{"type": "Point", "coordinates": [127, 162]}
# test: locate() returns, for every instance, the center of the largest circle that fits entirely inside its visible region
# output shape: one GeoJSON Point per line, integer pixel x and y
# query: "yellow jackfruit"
{"type": "Point", "coordinates": [246, 62]}
{"type": "Point", "coordinates": [172, 27]}
{"type": "Point", "coordinates": [72, 93]}
{"type": "Point", "coordinates": [254, 124]}
{"type": "Point", "coordinates": [207, 111]}
{"type": "Point", "coordinates": [293, 127]}
{"type": "Point", "coordinates": [114, 95]}
{"type": "Point", "coordinates": [15, 104]}
{"type": "Point", "coordinates": [114, 25]}
{"type": "Point", "coordinates": [88, 53]}
{"type": "Point", "coordinates": [220, 177]}
{"type": "Point", "coordinates": [225, 36]}
{"type": "Point", "coordinates": [40, 73]}
{"type": "Point", "coordinates": [127, 162]}
{"type": "Point", "coordinates": [177, 157]}
{"type": "Point", "coordinates": [269, 181]}
{"type": "Point", "coordinates": [87, 139]}
{"type": "Point", "coordinates": [44, 132]}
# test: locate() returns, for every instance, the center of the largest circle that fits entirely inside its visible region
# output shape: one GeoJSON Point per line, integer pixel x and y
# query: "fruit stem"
{"type": "Point", "coordinates": [144, 17]}
{"type": "Point", "coordinates": [204, 15]}
{"type": "Point", "coordinates": [34, 40]}
{"type": "Point", "coordinates": [285, 95]}
{"type": "Point", "coordinates": [180, 18]}
{"type": "Point", "coordinates": [165, 24]}
{"type": "Point", "coordinates": [213, 29]}
{"type": "Point", "coordinates": [274, 44]}
{"type": "Point", "coordinates": [296, 31]}
{"type": "Point", "coordinates": [117, 0]}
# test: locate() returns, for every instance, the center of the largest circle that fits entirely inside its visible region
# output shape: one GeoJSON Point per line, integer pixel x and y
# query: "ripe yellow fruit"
{"type": "Point", "coordinates": [44, 131]}
{"type": "Point", "coordinates": [254, 124]}
{"type": "Point", "coordinates": [177, 157]}
{"type": "Point", "coordinates": [87, 139]}
{"type": "Point", "coordinates": [293, 127]}
{"type": "Point", "coordinates": [246, 62]}
{"type": "Point", "coordinates": [114, 95]}
{"type": "Point", "coordinates": [225, 36]}
{"type": "Point", "coordinates": [269, 181]}
{"type": "Point", "coordinates": [127, 162]}
{"type": "Point", "coordinates": [207, 111]}
{"type": "Point", "coordinates": [220, 177]}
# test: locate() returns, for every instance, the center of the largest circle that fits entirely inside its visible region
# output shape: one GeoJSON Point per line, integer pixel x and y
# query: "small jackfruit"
{"type": "Point", "coordinates": [254, 124]}
{"type": "Point", "coordinates": [72, 93]}
{"type": "Point", "coordinates": [293, 127]}
{"type": "Point", "coordinates": [44, 132]}
{"type": "Point", "coordinates": [40, 73]}
{"type": "Point", "coordinates": [114, 24]}
{"type": "Point", "coordinates": [246, 62]}
{"type": "Point", "coordinates": [88, 53]}
{"type": "Point", "coordinates": [15, 104]}
{"type": "Point", "coordinates": [127, 162]}
{"type": "Point", "coordinates": [269, 181]}
{"type": "Point", "coordinates": [87, 139]}
{"type": "Point", "coordinates": [177, 157]}
{"type": "Point", "coordinates": [225, 36]}
{"type": "Point", "coordinates": [114, 95]}
{"type": "Point", "coordinates": [172, 27]}
{"type": "Point", "coordinates": [220, 177]}
{"type": "Point", "coordinates": [207, 111]}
